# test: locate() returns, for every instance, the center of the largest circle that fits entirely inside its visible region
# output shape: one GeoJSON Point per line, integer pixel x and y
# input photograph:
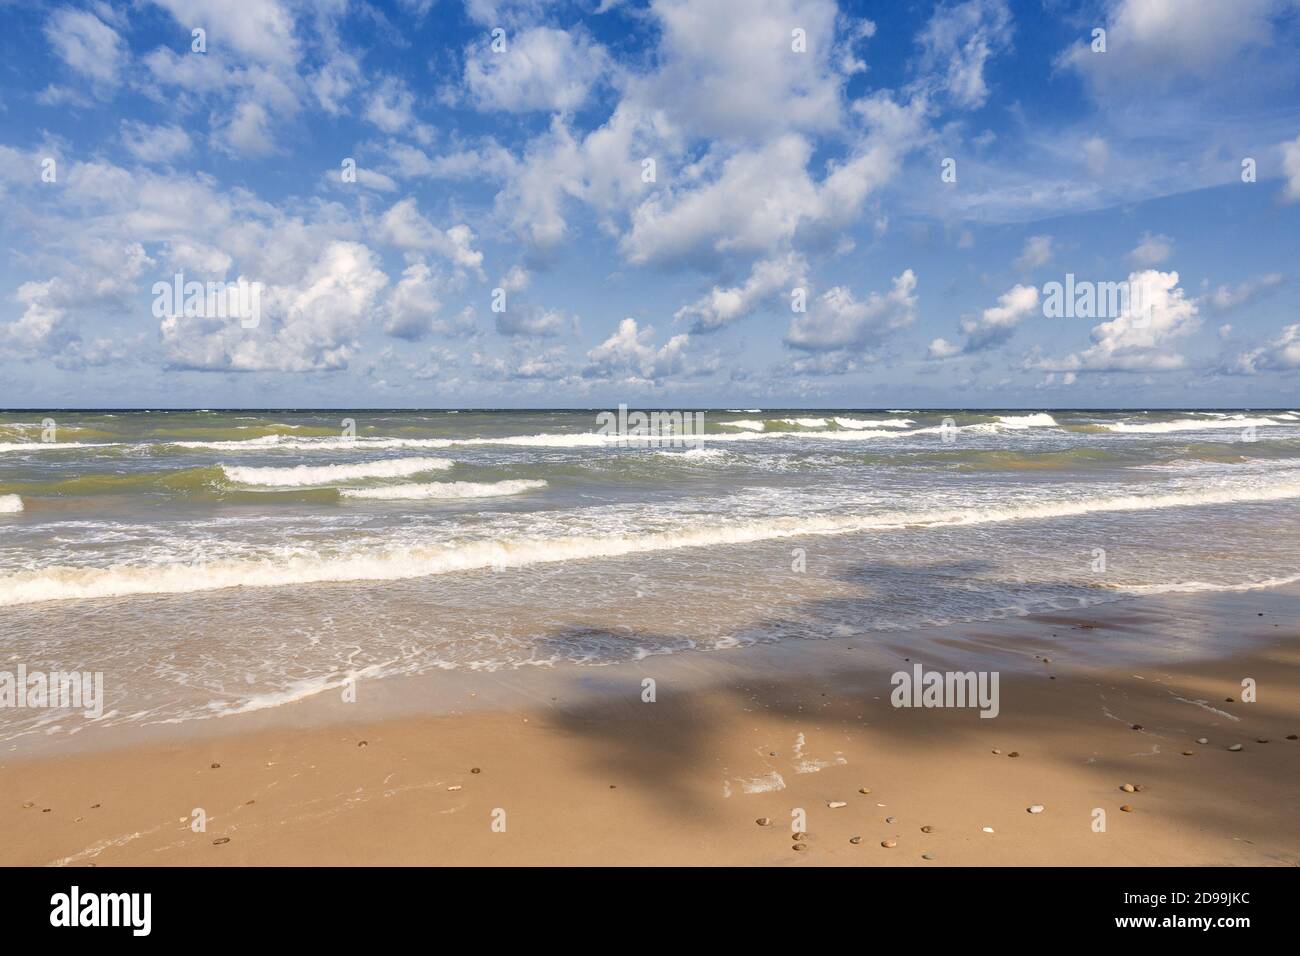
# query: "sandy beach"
{"type": "Point", "coordinates": [575, 768]}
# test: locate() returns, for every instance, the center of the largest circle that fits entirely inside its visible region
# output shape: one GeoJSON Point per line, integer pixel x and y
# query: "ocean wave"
{"type": "Point", "coordinates": [1192, 587]}
{"type": "Point", "coordinates": [445, 489]}
{"type": "Point", "coordinates": [54, 445]}
{"type": "Point", "coordinates": [302, 475]}
{"type": "Point", "coordinates": [1188, 425]}
{"type": "Point", "coordinates": [415, 561]}
{"type": "Point", "coordinates": [10, 504]}
{"type": "Point", "coordinates": [876, 423]}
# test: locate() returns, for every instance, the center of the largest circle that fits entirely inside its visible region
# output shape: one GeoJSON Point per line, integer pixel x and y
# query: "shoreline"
{"type": "Point", "coordinates": [588, 773]}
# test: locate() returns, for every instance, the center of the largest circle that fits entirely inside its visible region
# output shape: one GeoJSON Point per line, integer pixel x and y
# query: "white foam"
{"type": "Point", "coordinates": [873, 423]}
{"type": "Point", "coordinates": [1191, 587]}
{"type": "Point", "coordinates": [1036, 420]}
{"type": "Point", "coordinates": [10, 504]}
{"type": "Point", "coordinates": [805, 422]}
{"type": "Point", "coordinates": [1188, 425]}
{"type": "Point", "coordinates": [445, 489]}
{"type": "Point", "coordinates": [303, 475]}
{"type": "Point", "coordinates": [54, 445]}
{"type": "Point", "coordinates": [744, 423]}
{"type": "Point", "coordinates": [414, 561]}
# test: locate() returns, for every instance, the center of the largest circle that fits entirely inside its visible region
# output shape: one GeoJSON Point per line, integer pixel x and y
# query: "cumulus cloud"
{"type": "Point", "coordinates": [541, 69]}
{"type": "Point", "coordinates": [1142, 337]}
{"type": "Point", "coordinates": [406, 228]}
{"type": "Point", "coordinates": [88, 45]}
{"type": "Point", "coordinates": [155, 144]}
{"type": "Point", "coordinates": [311, 324]}
{"type": "Point", "coordinates": [994, 325]}
{"type": "Point", "coordinates": [1282, 353]}
{"type": "Point", "coordinates": [837, 321]}
{"type": "Point", "coordinates": [1151, 251]}
{"type": "Point", "coordinates": [1037, 253]}
{"type": "Point", "coordinates": [630, 353]}
{"type": "Point", "coordinates": [769, 279]}
{"type": "Point", "coordinates": [1225, 297]}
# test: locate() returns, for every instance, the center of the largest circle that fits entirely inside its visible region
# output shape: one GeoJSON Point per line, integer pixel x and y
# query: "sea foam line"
{"type": "Point", "coordinates": [445, 489]}
{"type": "Point", "coordinates": [302, 475]}
{"type": "Point", "coordinates": [62, 582]}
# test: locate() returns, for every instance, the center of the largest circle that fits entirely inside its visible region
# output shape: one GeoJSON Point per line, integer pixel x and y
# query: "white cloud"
{"type": "Point", "coordinates": [958, 42]}
{"type": "Point", "coordinates": [1282, 353]}
{"type": "Point", "coordinates": [838, 321]}
{"type": "Point", "coordinates": [262, 30]}
{"type": "Point", "coordinates": [770, 282]}
{"type": "Point", "coordinates": [1151, 251]}
{"type": "Point", "coordinates": [1037, 253]}
{"type": "Point", "coordinates": [155, 144]}
{"type": "Point", "coordinates": [1291, 168]}
{"type": "Point", "coordinates": [1225, 298]}
{"type": "Point", "coordinates": [413, 305]}
{"type": "Point", "coordinates": [630, 351]}
{"type": "Point", "coordinates": [87, 44]}
{"type": "Point", "coordinates": [994, 326]}
{"type": "Point", "coordinates": [541, 69]}
{"type": "Point", "coordinates": [523, 320]}
{"type": "Point", "coordinates": [310, 324]}
{"type": "Point", "coordinates": [404, 227]}
{"type": "Point", "coordinates": [1157, 315]}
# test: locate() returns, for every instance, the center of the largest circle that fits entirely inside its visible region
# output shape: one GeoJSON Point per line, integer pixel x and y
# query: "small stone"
{"type": "Point", "coordinates": [996, 751]}
{"type": "Point", "coordinates": [1014, 753]}
{"type": "Point", "coordinates": [889, 844]}
{"type": "Point", "coordinates": [94, 806]}
{"type": "Point", "coordinates": [362, 743]}
{"type": "Point", "coordinates": [927, 856]}
{"type": "Point", "coordinates": [1036, 808]}
{"type": "Point", "coordinates": [1235, 747]}
{"type": "Point", "coordinates": [216, 766]}
{"type": "Point", "coordinates": [987, 829]}
{"type": "Point", "coordinates": [764, 821]}
{"type": "Point", "coordinates": [1292, 737]}
{"type": "Point", "coordinates": [249, 803]}
{"type": "Point", "coordinates": [1137, 726]}
{"type": "Point", "coordinates": [1202, 740]}
{"type": "Point", "coordinates": [864, 790]}
{"type": "Point", "coordinates": [220, 840]}
{"type": "Point", "coordinates": [855, 840]}
{"type": "Point", "coordinates": [836, 804]}
{"type": "Point", "coordinates": [891, 819]}
{"type": "Point", "coordinates": [1139, 787]}
{"type": "Point", "coordinates": [1127, 787]}
{"type": "Point", "coordinates": [927, 829]}
{"type": "Point", "coordinates": [1227, 700]}
{"type": "Point", "coordinates": [28, 805]}
{"type": "Point", "coordinates": [1126, 808]}
{"type": "Point", "coordinates": [454, 787]}
{"type": "Point", "coordinates": [798, 837]}
{"type": "Point", "coordinates": [801, 846]}
{"type": "Point", "coordinates": [46, 810]}
{"type": "Point", "coordinates": [1261, 740]}
{"type": "Point", "coordinates": [475, 770]}
{"type": "Point", "coordinates": [1189, 753]}
{"type": "Point", "coordinates": [78, 820]}
{"type": "Point", "coordinates": [1047, 660]}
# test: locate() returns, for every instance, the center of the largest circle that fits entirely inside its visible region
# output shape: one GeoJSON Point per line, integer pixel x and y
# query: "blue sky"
{"type": "Point", "coordinates": [796, 145]}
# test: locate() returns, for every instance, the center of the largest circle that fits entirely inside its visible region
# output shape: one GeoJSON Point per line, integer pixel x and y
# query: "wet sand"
{"type": "Point", "coordinates": [603, 777]}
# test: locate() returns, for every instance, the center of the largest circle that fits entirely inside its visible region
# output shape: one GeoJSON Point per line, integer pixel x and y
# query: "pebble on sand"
{"type": "Point", "coordinates": [1014, 753]}
{"type": "Point", "coordinates": [363, 743]}
{"type": "Point", "coordinates": [1036, 808]}
{"type": "Point", "coordinates": [216, 766]}
{"type": "Point", "coordinates": [1202, 740]}
{"type": "Point", "coordinates": [220, 840]}
{"type": "Point", "coordinates": [800, 846]}
{"type": "Point", "coordinates": [864, 790]}
{"type": "Point", "coordinates": [891, 819]}
{"type": "Point", "coordinates": [1292, 737]}
{"type": "Point", "coordinates": [1261, 740]}
{"type": "Point", "coordinates": [1126, 808]}
{"type": "Point", "coordinates": [927, 829]}
{"type": "Point", "coordinates": [836, 804]}
{"type": "Point", "coordinates": [1128, 788]}
{"type": "Point", "coordinates": [987, 829]}
{"type": "Point", "coordinates": [28, 805]}
{"type": "Point", "coordinates": [764, 821]}
{"type": "Point", "coordinates": [1137, 727]}
{"type": "Point", "coordinates": [798, 836]}
{"type": "Point", "coordinates": [475, 770]}
{"type": "Point", "coordinates": [996, 750]}
{"type": "Point", "coordinates": [927, 856]}
{"type": "Point", "coordinates": [889, 844]}
{"type": "Point", "coordinates": [855, 840]}
{"type": "Point", "coordinates": [1235, 747]}
{"type": "Point", "coordinates": [1189, 753]}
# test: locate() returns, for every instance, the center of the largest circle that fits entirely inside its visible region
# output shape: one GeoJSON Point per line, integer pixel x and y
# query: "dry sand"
{"type": "Point", "coordinates": [605, 778]}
